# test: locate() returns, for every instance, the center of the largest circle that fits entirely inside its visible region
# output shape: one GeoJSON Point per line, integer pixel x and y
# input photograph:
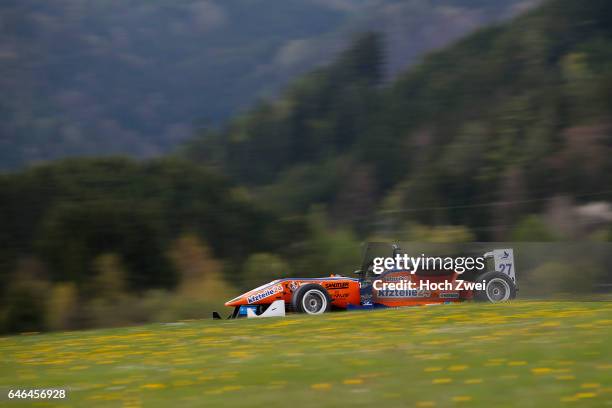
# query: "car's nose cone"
{"type": "Point", "coordinates": [237, 301]}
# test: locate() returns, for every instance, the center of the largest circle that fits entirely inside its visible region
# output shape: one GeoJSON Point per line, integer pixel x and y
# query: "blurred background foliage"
{"type": "Point", "coordinates": [102, 77]}
{"type": "Point", "coordinates": [503, 135]}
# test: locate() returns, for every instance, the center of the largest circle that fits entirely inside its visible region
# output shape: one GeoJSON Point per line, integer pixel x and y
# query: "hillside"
{"type": "Point", "coordinates": [480, 133]}
{"type": "Point", "coordinates": [106, 77]}
{"type": "Point", "coordinates": [504, 135]}
{"type": "Point", "coordinates": [523, 354]}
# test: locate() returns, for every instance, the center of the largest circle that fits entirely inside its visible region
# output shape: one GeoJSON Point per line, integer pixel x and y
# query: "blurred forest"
{"type": "Point", "coordinates": [505, 135]}
{"type": "Point", "coordinates": [512, 120]}
{"type": "Point", "coordinates": [102, 77]}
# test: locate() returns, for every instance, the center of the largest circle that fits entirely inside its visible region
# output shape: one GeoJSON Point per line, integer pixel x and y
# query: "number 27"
{"type": "Point", "coordinates": [503, 267]}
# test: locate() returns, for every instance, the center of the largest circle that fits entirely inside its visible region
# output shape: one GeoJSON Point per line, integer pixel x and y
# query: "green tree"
{"type": "Point", "coordinates": [63, 307]}
{"type": "Point", "coordinates": [73, 236]}
{"type": "Point", "coordinates": [24, 302]}
{"type": "Point", "coordinates": [261, 268]}
{"type": "Point", "coordinates": [532, 228]}
{"type": "Point", "coordinates": [109, 280]}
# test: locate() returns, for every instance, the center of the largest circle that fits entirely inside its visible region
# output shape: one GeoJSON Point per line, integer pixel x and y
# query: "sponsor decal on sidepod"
{"type": "Point", "coordinates": [408, 293]}
{"type": "Point", "coordinates": [265, 293]}
{"type": "Point", "coordinates": [336, 285]}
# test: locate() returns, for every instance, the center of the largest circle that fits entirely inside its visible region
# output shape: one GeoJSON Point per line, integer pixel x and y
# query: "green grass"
{"type": "Point", "coordinates": [527, 354]}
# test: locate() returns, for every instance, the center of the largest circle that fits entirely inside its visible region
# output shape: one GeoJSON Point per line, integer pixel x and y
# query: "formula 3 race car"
{"type": "Point", "coordinates": [379, 290]}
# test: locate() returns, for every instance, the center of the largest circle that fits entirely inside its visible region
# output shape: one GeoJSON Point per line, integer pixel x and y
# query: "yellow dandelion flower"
{"type": "Point", "coordinates": [458, 367]}
{"type": "Point", "coordinates": [79, 367]}
{"type": "Point", "coordinates": [425, 404]}
{"type": "Point", "coordinates": [462, 398]}
{"type": "Point", "coordinates": [590, 385]}
{"type": "Point", "coordinates": [153, 386]}
{"type": "Point", "coordinates": [321, 386]}
{"type": "Point", "coordinates": [581, 395]}
{"type": "Point", "coordinates": [517, 363]}
{"type": "Point", "coordinates": [473, 381]}
{"type": "Point", "coordinates": [239, 354]}
{"type": "Point", "coordinates": [442, 381]}
{"type": "Point", "coordinates": [541, 370]}
{"type": "Point", "coordinates": [351, 381]}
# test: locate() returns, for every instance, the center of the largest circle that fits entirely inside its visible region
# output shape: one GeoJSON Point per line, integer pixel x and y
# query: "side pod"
{"type": "Point", "coordinates": [276, 309]}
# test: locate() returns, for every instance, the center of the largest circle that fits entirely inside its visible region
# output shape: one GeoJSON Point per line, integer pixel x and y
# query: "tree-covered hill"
{"type": "Point", "coordinates": [479, 133]}
{"type": "Point", "coordinates": [133, 77]}
{"type": "Point", "coordinates": [477, 141]}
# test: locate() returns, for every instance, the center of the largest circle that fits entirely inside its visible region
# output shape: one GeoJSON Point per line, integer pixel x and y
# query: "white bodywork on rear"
{"type": "Point", "coordinates": [504, 261]}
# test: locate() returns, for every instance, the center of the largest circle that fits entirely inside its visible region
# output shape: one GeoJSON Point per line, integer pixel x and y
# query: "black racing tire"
{"type": "Point", "coordinates": [311, 299]}
{"type": "Point", "coordinates": [499, 288]}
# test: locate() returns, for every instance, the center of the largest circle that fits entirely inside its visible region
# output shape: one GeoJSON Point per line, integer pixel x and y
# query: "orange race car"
{"type": "Point", "coordinates": [387, 287]}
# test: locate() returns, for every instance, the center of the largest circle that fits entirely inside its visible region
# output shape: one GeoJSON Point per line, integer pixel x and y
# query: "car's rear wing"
{"type": "Point", "coordinates": [504, 262]}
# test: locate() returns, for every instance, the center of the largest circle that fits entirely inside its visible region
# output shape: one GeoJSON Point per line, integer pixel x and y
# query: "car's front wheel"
{"type": "Point", "coordinates": [311, 299]}
{"type": "Point", "coordinates": [498, 288]}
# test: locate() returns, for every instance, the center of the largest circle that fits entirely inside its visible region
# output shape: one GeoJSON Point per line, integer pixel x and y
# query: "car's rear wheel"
{"type": "Point", "coordinates": [311, 299]}
{"type": "Point", "coordinates": [498, 288]}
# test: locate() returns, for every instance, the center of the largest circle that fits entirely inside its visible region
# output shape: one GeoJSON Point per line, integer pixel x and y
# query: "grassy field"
{"type": "Point", "coordinates": [527, 354]}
